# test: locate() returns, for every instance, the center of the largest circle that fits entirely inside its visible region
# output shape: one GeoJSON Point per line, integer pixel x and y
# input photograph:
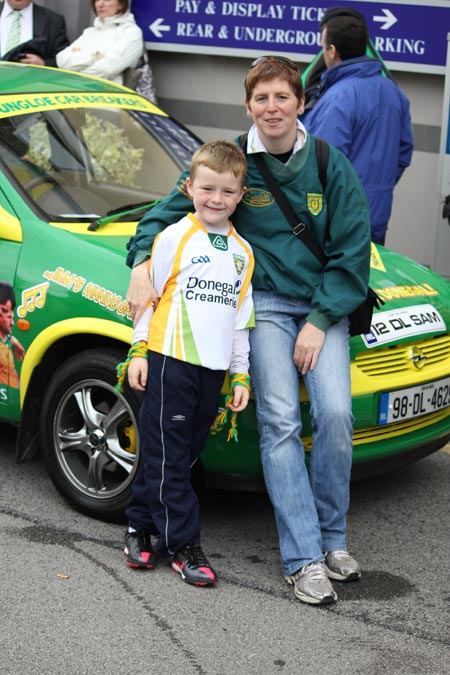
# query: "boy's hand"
{"type": "Point", "coordinates": [141, 292]}
{"type": "Point", "coordinates": [240, 398]}
{"type": "Point", "coordinates": [137, 373]}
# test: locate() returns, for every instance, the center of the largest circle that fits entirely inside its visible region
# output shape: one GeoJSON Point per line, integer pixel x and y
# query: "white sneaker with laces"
{"type": "Point", "coordinates": [340, 565]}
{"type": "Point", "coordinates": [311, 585]}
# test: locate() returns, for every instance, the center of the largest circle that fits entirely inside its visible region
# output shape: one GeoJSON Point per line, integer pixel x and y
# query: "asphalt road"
{"type": "Point", "coordinates": [70, 605]}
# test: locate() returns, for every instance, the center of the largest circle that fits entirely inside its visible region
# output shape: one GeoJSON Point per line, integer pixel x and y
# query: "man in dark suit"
{"type": "Point", "coordinates": [35, 22]}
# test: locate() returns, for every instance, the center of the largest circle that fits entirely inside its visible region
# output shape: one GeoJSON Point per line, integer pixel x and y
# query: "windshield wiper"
{"type": "Point", "coordinates": [120, 212]}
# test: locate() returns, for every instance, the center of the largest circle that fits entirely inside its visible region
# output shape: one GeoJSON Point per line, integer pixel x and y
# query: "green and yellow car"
{"type": "Point", "coordinates": [81, 160]}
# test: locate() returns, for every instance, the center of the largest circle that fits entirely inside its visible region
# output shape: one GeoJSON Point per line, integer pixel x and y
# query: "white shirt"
{"type": "Point", "coordinates": [203, 279]}
{"type": "Point", "coordinates": [255, 144]}
{"type": "Point", "coordinates": [26, 24]}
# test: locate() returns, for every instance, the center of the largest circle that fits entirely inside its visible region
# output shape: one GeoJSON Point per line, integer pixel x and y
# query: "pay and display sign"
{"type": "Point", "coordinates": [409, 35]}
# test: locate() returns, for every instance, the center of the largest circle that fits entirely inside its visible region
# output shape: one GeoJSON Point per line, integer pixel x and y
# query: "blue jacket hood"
{"type": "Point", "coordinates": [361, 66]}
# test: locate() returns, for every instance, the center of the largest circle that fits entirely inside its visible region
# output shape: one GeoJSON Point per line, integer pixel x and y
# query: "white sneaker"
{"type": "Point", "coordinates": [311, 585]}
{"type": "Point", "coordinates": [341, 566]}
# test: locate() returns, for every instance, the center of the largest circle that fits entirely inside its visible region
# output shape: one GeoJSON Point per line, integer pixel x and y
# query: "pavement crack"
{"type": "Point", "coordinates": [391, 586]}
{"type": "Point", "coordinates": [39, 532]}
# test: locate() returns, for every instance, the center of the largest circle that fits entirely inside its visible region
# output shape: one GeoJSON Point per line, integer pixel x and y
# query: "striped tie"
{"type": "Point", "coordinates": [14, 32]}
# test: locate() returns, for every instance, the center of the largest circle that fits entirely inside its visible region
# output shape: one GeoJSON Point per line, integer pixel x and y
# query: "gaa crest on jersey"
{"type": "Point", "coordinates": [239, 262]}
{"type": "Point", "coordinates": [218, 241]}
{"type": "Point", "coordinates": [314, 202]}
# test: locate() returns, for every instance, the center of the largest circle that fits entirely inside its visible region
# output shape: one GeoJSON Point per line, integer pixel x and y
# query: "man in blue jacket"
{"type": "Point", "coordinates": [363, 114]}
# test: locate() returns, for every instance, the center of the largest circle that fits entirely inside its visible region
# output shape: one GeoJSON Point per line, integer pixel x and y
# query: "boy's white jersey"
{"type": "Point", "coordinates": [203, 280]}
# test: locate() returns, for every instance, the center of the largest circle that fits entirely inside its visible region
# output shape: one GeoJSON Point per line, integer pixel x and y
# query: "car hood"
{"type": "Point", "coordinates": [111, 243]}
{"type": "Point", "coordinates": [416, 300]}
{"type": "Point", "coordinates": [111, 237]}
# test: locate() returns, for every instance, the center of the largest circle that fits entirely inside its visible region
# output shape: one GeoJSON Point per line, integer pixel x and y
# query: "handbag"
{"type": "Point", "coordinates": [360, 319]}
{"type": "Point", "coordinates": [141, 80]}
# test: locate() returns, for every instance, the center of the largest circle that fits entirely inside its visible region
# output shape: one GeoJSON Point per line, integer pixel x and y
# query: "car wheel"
{"type": "Point", "coordinates": [89, 436]}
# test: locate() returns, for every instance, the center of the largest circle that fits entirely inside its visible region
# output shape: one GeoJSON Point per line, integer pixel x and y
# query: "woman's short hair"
{"type": "Point", "coordinates": [269, 67]}
{"type": "Point", "coordinates": [124, 6]}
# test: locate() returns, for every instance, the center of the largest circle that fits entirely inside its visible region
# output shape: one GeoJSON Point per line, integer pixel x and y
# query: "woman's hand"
{"type": "Point", "coordinates": [141, 292]}
{"type": "Point", "coordinates": [308, 347]}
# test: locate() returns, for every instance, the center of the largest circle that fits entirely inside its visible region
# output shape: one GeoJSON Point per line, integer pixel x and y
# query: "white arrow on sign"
{"type": "Point", "coordinates": [157, 29]}
{"type": "Point", "coordinates": [387, 20]}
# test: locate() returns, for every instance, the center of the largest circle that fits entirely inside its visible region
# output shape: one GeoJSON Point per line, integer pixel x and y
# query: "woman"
{"type": "Point", "coordinates": [301, 313]}
{"type": "Point", "coordinates": [113, 44]}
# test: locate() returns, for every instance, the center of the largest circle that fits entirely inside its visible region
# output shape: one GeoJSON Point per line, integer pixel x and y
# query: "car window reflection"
{"type": "Point", "coordinates": [78, 164]}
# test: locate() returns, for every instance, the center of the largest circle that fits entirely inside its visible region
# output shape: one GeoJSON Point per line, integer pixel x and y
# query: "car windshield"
{"type": "Point", "coordinates": [79, 164]}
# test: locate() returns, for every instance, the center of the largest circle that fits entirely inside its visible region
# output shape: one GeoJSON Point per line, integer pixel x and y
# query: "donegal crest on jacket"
{"type": "Point", "coordinates": [314, 202]}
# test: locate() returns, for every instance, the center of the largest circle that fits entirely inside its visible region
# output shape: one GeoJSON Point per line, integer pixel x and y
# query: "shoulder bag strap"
{"type": "Point", "coordinates": [299, 229]}
{"type": "Point", "coordinates": [322, 150]}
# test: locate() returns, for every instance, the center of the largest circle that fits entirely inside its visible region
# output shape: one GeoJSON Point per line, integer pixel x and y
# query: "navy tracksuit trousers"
{"type": "Point", "coordinates": [178, 409]}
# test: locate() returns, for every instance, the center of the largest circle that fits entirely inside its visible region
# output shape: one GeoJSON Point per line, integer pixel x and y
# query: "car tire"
{"type": "Point", "coordinates": [89, 434]}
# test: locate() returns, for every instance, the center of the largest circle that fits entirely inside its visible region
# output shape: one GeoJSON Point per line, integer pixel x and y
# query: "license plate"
{"type": "Point", "coordinates": [403, 404]}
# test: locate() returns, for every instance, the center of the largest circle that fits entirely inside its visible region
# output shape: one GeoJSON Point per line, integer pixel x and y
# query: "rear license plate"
{"type": "Point", "coordinates": [404, 404]}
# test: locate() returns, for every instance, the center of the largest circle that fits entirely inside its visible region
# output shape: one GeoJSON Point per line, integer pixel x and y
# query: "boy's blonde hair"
{"type": "Point", "coordinates": [220, 156]}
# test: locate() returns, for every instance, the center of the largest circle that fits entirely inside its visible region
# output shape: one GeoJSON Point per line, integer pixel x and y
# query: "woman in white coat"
{"type": "Point", "coordinates": [113, 44]}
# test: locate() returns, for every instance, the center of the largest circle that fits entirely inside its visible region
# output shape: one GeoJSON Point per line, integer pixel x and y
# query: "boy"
{"type": "Point", "coordinates": [201, 269]}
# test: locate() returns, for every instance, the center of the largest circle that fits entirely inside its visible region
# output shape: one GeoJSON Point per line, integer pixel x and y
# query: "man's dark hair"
{"type": "Point", "coordinates": [7, 293]}
{"type": "Point", "coordinates": [348, 35]}
{"type": "Point", "coordinates": [331, 12]}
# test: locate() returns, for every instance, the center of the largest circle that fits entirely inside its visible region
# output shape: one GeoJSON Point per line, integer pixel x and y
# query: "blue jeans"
{"type": "Point", "coordinates": [310, 505]}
